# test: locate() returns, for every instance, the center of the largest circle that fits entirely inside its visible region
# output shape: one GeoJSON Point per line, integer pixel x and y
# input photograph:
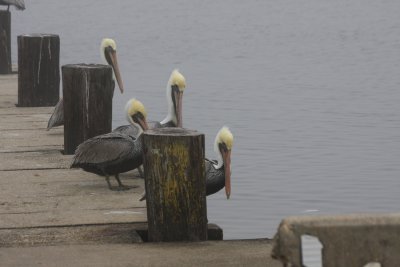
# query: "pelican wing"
{"type": "Point", "coordinates": [57, 118]}
{"type": "Point", "coordinates": [215, 177]}
{"type": "Point", "coordinates": [167, 124]}
{"type": "Point", "coordinates": [211, 172]}
{"type": "Point", "coordinates": [131, 130]}
{"type": "Point", "coordinates": [104, 148]}
{"type": "Point", "coordinates": [154, 124]}
{"type": "Point", "coordinates": [19, 4]}
{"type": "Point", "coordinates": [209, 162]}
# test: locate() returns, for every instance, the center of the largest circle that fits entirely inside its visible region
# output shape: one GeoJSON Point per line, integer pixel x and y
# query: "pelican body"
{"type": "Point", "coordinates": [215, 177]}
{"type": "Point", "coordinates": [109, 154]}
{"type": "Point", "coordinates": [175, 88]}
{"type": "Point", "coordinates": [113, 153]}
{"type": "Point", "coordinates": [108, 52]}
{"type": "Point", "coordinates": [19, 4]}
{"type": "Point", "coordinates": [218, 173]}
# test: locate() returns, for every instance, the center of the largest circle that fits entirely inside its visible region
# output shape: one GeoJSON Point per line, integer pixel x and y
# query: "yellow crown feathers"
{"type": "Point", "coordinates": [225, 136]}
{"type": "Point", "coordinates": [135, 106]}
{"type": "Point", "coordinates": [108, 42]}
{"type": "Point", "coordinates": [177, 79]}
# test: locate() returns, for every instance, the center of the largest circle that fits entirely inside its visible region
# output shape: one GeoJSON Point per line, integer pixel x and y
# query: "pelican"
{"type": "Point", "coordinates": [114, 153]}
{"type": "Point", "coordinates": [19, 4]}
{"type": "Point", "coordinates": [218, 172]}
{"type": "Point", "coordinates": [175, 87]}
{"type": "Point", "coordinates": [108, 52]}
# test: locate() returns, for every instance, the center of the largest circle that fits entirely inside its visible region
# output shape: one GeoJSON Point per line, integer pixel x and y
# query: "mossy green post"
{"type": "Point", "coordinates": [175, 185]}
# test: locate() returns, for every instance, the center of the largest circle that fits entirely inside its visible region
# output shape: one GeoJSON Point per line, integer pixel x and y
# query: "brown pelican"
{"type": "Point", "coordinates": [19, 4]}
{"type": "Point", "coordinates": [113, 153]}
{"type": "Point", "coordinates": [218, 172]}
{"type": "Point", "coordinates": [175, 87]}
{"type": "Point", "coordinates": [108, 52]}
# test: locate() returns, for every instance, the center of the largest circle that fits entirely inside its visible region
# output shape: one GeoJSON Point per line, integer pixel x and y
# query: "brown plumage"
{"type": "Point", "coordinates": [114, 153]}
{"type": "Point", "coordinates": [109, 154]}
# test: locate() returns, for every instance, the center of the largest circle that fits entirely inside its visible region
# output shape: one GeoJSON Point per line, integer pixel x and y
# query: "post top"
{"type": "Point", "coordinates": [172, 131]}
{"type": "Point", "coordinates": [38, 35]}
{"type": "Point", "coordinates": [86, 66]}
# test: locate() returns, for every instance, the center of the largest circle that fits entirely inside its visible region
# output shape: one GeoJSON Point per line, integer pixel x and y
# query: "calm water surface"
{"type": "Point", "coordinates": [310, 89]}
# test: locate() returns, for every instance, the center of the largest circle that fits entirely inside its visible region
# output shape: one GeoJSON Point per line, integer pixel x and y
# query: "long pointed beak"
{"type": "Point", "coordinates": [226, 157]}
{"type": "Point", "coordinates": [178, 107]}
{"type": "Point", "coordinates": [143, 124]}
{"type": "Point", "coordinates": [114, 65]}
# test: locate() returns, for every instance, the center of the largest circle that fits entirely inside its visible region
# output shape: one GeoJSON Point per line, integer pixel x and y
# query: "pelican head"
{"type": "Point", "coordinates": [108, 50]}
{"type": "Point", "coordinates": [136, 113]}
{"type": "Point", "coordinates": [175, 87]}
{"type": "Point", "coordinates": [223, 147]}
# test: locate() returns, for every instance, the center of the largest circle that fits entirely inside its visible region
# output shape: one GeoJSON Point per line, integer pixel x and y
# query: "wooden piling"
{"type": "Point", "coordinates": [38, 70]}
{"type": "Point", "coordinates": [87, 93]}
{"type": "Point", "coordinates": [175, 184]}
{"type": "Point", "coordinates": [5, 42]}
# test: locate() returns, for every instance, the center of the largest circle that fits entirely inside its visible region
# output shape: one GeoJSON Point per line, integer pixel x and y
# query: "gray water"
{"type": "Point", "coordinates": [309, 88]}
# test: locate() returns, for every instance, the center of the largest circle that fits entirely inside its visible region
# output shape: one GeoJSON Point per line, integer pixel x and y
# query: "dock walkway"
{"type": "Point", "coordinates": [51, 215]}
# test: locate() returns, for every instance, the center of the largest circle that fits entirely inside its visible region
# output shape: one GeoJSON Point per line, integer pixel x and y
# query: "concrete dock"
{"type": "Point", "coordinates": [52, 215]}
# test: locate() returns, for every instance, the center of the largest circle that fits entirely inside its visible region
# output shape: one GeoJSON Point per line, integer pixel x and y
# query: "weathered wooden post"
{"type": "Point", "coordinates": [5, 42]}
{"type": "Point", "coordinates": [87, 93]}
{"type": "Point", "coordinates": [175, 185]}
{"type": "Point", "coordinates": [38, 70]}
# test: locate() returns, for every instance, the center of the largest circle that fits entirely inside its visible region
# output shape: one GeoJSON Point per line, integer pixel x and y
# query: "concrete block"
{"type": "Point", "coordinates": [346, 240]}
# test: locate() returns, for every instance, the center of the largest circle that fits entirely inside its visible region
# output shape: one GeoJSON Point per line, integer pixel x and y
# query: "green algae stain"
{"type": "Point", "coordinates": [176, 164]}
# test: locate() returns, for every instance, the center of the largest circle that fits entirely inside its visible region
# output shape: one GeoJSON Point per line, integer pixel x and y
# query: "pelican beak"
{"type": "Point", "coordinates": [178, 104]}
{"type": "Point", "coordinates": [226, 157]}
{"type": "Point", "coordinates": [143, 123]}
{"type": "Point", "coordinates": [114, 65]}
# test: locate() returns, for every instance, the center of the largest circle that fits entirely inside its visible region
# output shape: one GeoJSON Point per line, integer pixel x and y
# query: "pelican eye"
{"type": "Point", "coordinates": [137, 116]}
{"type": "Point", "coordinates": [223, 147]}
{"type": "Point", "coordinates": [175, 87]}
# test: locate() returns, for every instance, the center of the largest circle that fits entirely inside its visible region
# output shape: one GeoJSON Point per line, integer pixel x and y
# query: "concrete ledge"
{"type": "Point", "coordinates": [348, 240]}
{"type": "Point", "coordinates": [209, 253]}
{"type": "Point", "coordinates": [70, 235]}
{"type": "Point", "coordinates": [111, 233]}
